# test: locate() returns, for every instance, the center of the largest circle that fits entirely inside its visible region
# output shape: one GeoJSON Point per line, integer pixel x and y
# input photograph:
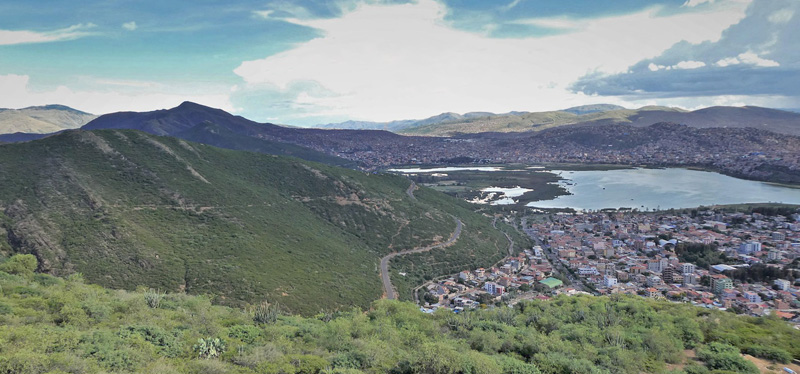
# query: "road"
{"type": "Point", "coordinates": [410, 190]}
{"type": "Point", "coordinates": [387, 283]}
{"type": "Point", "coordinates": [508, 237]}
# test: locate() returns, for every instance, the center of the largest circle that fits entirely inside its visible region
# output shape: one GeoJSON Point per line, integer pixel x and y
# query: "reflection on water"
{"type": "Point", "coordinates": [661, 189]}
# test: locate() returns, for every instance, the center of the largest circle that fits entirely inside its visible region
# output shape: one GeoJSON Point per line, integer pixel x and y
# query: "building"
{"type": "Point", "coordinates": [747, 248]}
{"type": "Point", "coordinates": [778, 236]}
{"type": "Point", "coordinates": [494, 288]}
{"type": "Point", "coordinates": [752, 297]}
{"type": "Point", "coordinates": [782, 284]}
{"type": "Point", "coordinates": [689, 279]}
{"type": "Point", "coordinates": [652, 293]}
{"type": "Point", "coordinates": [552, 283]}
{"type": "Point", "coordinates": [687, 268]}
{"type": "Point", "coordinates": [773, 255]}
{"type": "Point", "coordinates": [720, 282]}
{"type": "Point", "coordinates": [668, 275]}
{"type": "Point", "coordinates": [609, 281]}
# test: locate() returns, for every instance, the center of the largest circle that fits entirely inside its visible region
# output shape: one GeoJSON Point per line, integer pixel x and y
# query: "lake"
{"type": "Point", "coordinates": [661, 189]}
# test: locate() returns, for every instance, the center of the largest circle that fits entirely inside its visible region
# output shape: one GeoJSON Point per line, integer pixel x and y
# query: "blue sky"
{"type": "Point", "coordinates": [308, 62]}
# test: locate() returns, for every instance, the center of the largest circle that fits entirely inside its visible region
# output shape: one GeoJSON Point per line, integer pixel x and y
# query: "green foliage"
{"type": "Point", "coordinates": [209, 348]}
{"type": "Point", "coordinates": [71, 327]}
{"type": "Point", "coordinates": [125, 208]}
{"type": "Point", "coordinates": [769, 353]}
{"type": "Point", "coordinates": [23, 265]}
{"type": "Point", "coordinates": [720, 356]}
{"type": "Point", "coordinates": [702, 255]}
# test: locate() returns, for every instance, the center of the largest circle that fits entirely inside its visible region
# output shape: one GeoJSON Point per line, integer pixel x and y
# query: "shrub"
{"type": "Point", "coordinates": [266, 313]}
{"type": "Point", "coordinates": [23, 265]}
{"type": "Point", "coordinates": [153, 298]}
{"type": "Point", "coordinates": [209, 348]}
{"type": "Point", "coordinates": [769, 353]}
{"type": "Point", "coordinates": [719, 356]}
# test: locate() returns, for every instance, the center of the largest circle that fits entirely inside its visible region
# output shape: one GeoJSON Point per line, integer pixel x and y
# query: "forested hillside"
{"type": "Point", "coordinates": [126, 208]}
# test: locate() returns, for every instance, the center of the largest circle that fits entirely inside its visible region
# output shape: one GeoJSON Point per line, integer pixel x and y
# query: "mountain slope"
{"type": "Point", "coordinates": [127, 208]}
{"type": "Point", "coordinates": [42, 119]}
{"type": "Point", "coordinates": [778, 121]}
{"type": "Point", "coordinates": [195, 122]}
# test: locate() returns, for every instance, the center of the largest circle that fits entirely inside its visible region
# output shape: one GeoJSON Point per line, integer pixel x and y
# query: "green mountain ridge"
{"type": "Point", "coordinates": [126, 208]}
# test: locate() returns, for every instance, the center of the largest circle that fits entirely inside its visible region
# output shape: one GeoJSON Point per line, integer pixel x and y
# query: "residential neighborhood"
{"type": "Point", "coordinates": [747, 263]}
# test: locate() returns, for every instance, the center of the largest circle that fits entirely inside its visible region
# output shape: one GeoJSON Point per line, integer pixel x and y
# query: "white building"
{"type": "Point", "coordinates": [687, 268]}
{"type": "Point", "coordinates": [751, 247]}
{"type": "Point", "coordinates": [609, 281]}
{"type": "Point", "coordinates": [782, 284]}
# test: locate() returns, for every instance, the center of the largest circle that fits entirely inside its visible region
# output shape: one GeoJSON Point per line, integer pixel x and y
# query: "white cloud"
{"type": "Point", "coordinates": [17, 93]}
{"type": "Point", "coordinates": [781, 16]}
{"type": "Point", "coordinates": [130, 26]}
{"type": "Point", "coordinates": [748, 58]}
{"type": "Point", "coordinates": [689, 65]}
{"type": "Point", "coordinates": [753, 59]}
{"type": "Point", "coordinates": [694, 3]}
{"type": "Point", "coordinates": [11, 37]}
{"type": "Point", "coordinates": [403, 61]}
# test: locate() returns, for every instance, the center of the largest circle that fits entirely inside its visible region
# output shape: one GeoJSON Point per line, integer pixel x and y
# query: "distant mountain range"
{"type": "Point", "coordinates": [42, 119]}
{"type": "Point", "coordinates": [449, 124]}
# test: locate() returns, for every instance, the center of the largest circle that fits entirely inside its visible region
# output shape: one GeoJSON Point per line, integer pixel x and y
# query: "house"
{"type": "Point", "coordinates": [609, 281]}
{"type": "Point", "coordinates": [652, 293]}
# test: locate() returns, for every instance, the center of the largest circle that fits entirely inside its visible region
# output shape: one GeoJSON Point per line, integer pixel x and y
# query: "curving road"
{"type": "Point", "coordinates": [387, 283]}
{"type": "Point", "coordinates": [410, 190]}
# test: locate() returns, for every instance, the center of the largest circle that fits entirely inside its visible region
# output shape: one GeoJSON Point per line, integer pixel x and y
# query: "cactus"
{"type": "Point", "coordinates": [209, 348]}
{"type": "Point", "coordinates": [266, 313]}
{"type": "Point", "coordinates": [153, 298]}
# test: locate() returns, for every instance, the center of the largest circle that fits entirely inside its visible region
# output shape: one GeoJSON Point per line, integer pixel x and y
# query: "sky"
{"type": "Point", "coordinates": [311, 62]}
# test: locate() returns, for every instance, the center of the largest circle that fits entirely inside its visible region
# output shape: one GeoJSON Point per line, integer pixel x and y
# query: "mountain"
{"type": "Point", "coordinates": [779, 121]}
{"type": "Point", "coordinates": [195, 122]}
{"type": "Point", "coordinates": [587, 109]}
{"type": "Point", "coordinates": [126, 209]}
{"type": "Point", "coordinates": [42, 119]}
{"type": "Point", "coordinates": [401, 125]}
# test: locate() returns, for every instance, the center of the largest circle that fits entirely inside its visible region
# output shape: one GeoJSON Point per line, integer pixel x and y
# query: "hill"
{"type": "Point", "coordinates": [126, 208]}
{"type": "Point", "coordinates": [42, 119]}
{"type": "Point", "coordinates": [403, 125]}
{"type": "Point", "coordinates": [774, 120]}
{"type": "Point", "coordinates": [53, 325]}
{"type": "Point", "coordinates": [198, 123]}
{"type": "Point", "coordinates": [594, 108]}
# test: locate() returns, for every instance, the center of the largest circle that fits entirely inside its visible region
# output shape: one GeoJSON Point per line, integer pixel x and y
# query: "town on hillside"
{"type": "Point", "coordinates": [747, 263]}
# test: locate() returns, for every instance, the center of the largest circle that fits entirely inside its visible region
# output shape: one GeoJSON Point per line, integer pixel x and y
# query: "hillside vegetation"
{"type": "Point", "coordinates": [54, 325]}
{"type": "Point", "coordinates": [125, 208]}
